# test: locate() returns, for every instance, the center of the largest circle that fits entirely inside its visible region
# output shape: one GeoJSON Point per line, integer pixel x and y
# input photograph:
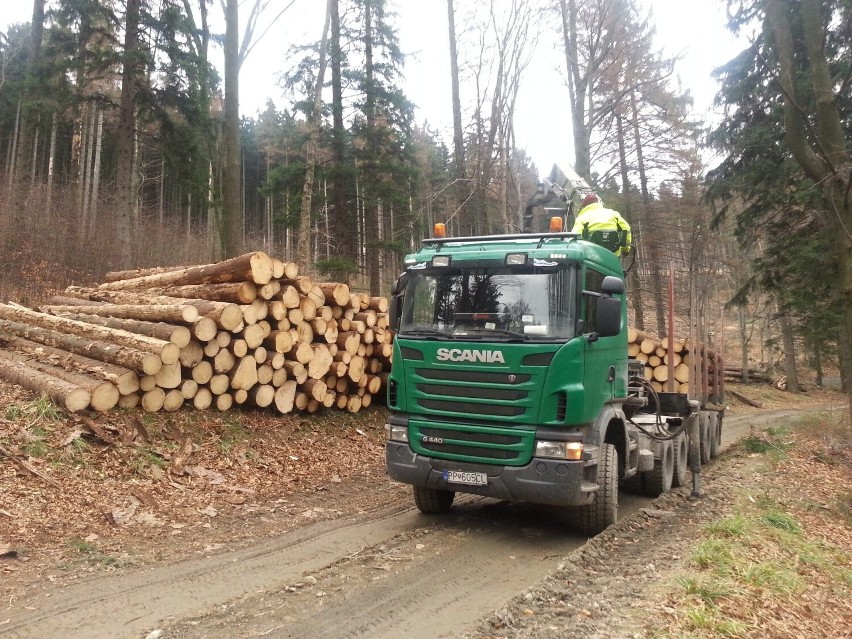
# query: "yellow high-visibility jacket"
{"type": "Point", "coordinates": [595, 217]}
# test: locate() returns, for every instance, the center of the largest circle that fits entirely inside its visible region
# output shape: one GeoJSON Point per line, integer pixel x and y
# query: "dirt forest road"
{"type": "Point", "coordinates": [386, 571]}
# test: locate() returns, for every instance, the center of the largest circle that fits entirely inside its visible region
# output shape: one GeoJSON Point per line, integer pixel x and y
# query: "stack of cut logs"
{"type": "Point", "coordinates": [248, 330]}
{"type": "Point", "coordinates": [654, 352]}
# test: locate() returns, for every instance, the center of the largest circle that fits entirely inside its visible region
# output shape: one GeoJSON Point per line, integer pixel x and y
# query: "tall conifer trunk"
{"type": "Point", "coordinates": [125, 136]}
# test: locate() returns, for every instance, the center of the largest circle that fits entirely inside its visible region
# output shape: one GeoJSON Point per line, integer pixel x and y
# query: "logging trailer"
{"type": "Point", "coordinates": [511, 377]}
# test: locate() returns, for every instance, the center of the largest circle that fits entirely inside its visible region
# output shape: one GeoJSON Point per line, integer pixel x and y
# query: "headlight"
{"type": "Point", "coordinates": [559, 450]}
{"type": "Point", "coordinates": [396, 433]}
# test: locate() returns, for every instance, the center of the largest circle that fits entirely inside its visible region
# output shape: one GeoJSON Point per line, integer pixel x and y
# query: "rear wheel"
{"type": "Point", "coordinates": [680, 448]}
{"type": "Point", "coordinates": [659, 480]}
{"type": "Point", "coordinates": [704, 436]}
{"type": "Point", "coordinates": [715, 435]}
{"type": "Point", "coordinates": [603, 511]}
{"type": "Point", "coordinates": [430, 501]}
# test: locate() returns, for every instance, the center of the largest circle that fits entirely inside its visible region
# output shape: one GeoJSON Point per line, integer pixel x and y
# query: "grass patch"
{"type": "Point", "coordinates": [145, 458]}
{"type": "Point", "coordinates": [735, 526]}
{"type": "Point", "coordinates": [777, 551]}
{"type": "Point", "coordinates": [93, 555]}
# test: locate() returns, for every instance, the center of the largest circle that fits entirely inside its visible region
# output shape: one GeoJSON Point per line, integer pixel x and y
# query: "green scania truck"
{"type": "Point", "coordinates": [511, 379]}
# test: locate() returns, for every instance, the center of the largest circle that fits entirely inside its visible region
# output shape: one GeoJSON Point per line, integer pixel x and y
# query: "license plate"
{"type": "Point", "coordinates": [462, 477]}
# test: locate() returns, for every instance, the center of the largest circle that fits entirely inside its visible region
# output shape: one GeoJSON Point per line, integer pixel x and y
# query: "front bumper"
{"type": "Point", "coordinates": [542, 481]}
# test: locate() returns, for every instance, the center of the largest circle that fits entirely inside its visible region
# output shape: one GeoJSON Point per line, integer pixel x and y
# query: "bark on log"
{"type": "Point", "coordinates": [126, 380]}
{"type": "Point", "coordinates": [142, 312]}
{"type": "Point", "coordinates": [69, 396]}
{"type": "Point", "coordinates": [166, 350]}
{"type": "Point", "coordinates": [102, 395]}
{"type": "Point", "coordinates": [177, 335]}
{"type": "Point", "coordinates": [227, 315]}
{"type": "Point", "coordinates": [255, 267]}
{"type": "Point", "coordinates": [233, 292]}
{"type": "Point", "coordinates": [131, 358]}
{"type": "Point", "coordinates": [115, 276]}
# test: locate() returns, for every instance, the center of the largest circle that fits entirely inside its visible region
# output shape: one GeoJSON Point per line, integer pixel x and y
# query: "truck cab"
{"type": "Point", "coordinates": [510, 374]}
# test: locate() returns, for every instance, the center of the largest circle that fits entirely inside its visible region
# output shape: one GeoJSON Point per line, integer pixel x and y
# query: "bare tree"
{"type": "Point", "coordinates": [125, 135]}
{"type": "Point", "coordinates": [303, 253]}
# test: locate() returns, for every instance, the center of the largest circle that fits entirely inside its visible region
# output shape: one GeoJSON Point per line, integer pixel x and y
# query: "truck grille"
{"type": "Point", "coordinates": [474, 394]}
{"type": "Point", "coordinates": [483, 444]}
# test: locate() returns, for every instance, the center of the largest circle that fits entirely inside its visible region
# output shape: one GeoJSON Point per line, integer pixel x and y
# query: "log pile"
{"type": "Point", "coordinates": [249, 330]}
{"type": "Point", "coordinates": [686, 360]}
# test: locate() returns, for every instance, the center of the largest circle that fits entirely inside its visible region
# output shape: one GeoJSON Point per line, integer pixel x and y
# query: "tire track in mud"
{"type": "Point", "coordinates": [387, 572]}
{"type": "Point", "coordinates": [128, 604]}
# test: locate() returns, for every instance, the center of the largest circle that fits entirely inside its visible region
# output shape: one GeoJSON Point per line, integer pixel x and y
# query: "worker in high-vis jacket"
{"type": "Point", "coordinates": [603, 226]}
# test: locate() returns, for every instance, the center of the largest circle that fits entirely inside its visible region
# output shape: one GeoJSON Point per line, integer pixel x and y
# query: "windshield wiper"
{"type": "Point", "coordinates": [485, 333]}
{"type": "Point", "coordinates": [424, 332]}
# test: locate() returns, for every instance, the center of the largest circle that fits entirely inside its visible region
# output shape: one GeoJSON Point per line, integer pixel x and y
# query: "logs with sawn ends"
{"type": "Point", "coordinates": [140, 361]}
{"type": "Point", "coordinates": [68, 395]}
{"type": "Point", "coordinates": [655, 353]}
{"type": "Point", "coordinates": [102, 395]}
{"type": "Point", "coordinates": [253, 267]}
{"type": "Point", "coordinates": [167, 351]}
{"type": "Point", "coordinates": [287, 344]}
{"type": "Point", "coordinates": [124, 379]}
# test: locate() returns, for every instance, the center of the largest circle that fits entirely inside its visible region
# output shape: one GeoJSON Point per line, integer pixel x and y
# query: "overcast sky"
{"type": "Point", "coordinates": [692, 28]}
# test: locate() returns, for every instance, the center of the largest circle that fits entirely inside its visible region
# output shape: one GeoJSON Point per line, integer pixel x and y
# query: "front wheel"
{"type": "Point", "coordinates": [430, 501]}
{"type": "Point", "coordinates": [603, 511]}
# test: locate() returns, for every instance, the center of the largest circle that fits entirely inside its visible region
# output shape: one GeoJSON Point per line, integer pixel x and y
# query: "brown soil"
{"type": "Point", "coordinates": [83, 497]}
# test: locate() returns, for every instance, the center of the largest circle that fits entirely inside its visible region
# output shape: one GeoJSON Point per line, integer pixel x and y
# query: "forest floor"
{"type": "Point", "coordinates": [764, 553]}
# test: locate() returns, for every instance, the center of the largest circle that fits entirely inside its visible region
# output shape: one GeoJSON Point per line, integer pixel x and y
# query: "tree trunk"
{"type": "Point", "coordinates": [816, 135]}
{"type": "Point", "coordinates": [303, 255]}
{"type": "Point", "coordinates": [789, 352]}
{"type": "Point", "coordinates": [229, 227]}
{"type": "Point", "coordinates": [124, 195]}
{"type": "Point", "coordinates": [458, 134]}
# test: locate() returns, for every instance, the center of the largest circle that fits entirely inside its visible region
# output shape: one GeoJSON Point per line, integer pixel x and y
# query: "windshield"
{"type": "Point", "coordinates": [511, 303]}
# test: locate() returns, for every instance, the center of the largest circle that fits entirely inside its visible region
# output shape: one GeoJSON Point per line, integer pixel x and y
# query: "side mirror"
{"type": "Point", "coordinates": [395, 311]}
{"type": "Point", "coordinates": [608, 323]}
{"type": "Point", "coordinates": [399, 284]}
{"type": "Point", "coordinates": [612, 285]}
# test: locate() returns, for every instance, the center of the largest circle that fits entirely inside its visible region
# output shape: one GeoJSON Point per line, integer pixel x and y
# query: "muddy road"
{"type": "Point", "coordinates": [385, 571]}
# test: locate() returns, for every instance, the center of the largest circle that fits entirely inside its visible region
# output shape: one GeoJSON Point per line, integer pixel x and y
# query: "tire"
{"type": "Point", "coordinates": [704, 436]}
{"type": "Point", "coordinates": [603, 511]}
{"type": "Point", "coordinates": [430, 501]}
{"type": "Point", "coordinates": [715, 435]}
{"type": "Point", "coordinates": [680, 449]}
{"type": "Point", "coordinates": [634, 485]}
{"type": "Point", "coordinates": [659, 480]}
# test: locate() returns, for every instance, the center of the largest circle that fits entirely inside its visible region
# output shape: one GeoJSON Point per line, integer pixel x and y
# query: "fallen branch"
{"type": "Point", "coordinates": [745, 399]}
{"type": "Point", "coordinates": [28, 467]}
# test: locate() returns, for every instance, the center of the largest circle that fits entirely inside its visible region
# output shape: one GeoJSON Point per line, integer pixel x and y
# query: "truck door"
{"type": "Point", "coordinates": [601, 353]}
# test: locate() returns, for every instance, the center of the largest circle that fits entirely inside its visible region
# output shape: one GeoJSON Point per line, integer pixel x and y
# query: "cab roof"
{"type": "Point", "coordinates": [492, 250]}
